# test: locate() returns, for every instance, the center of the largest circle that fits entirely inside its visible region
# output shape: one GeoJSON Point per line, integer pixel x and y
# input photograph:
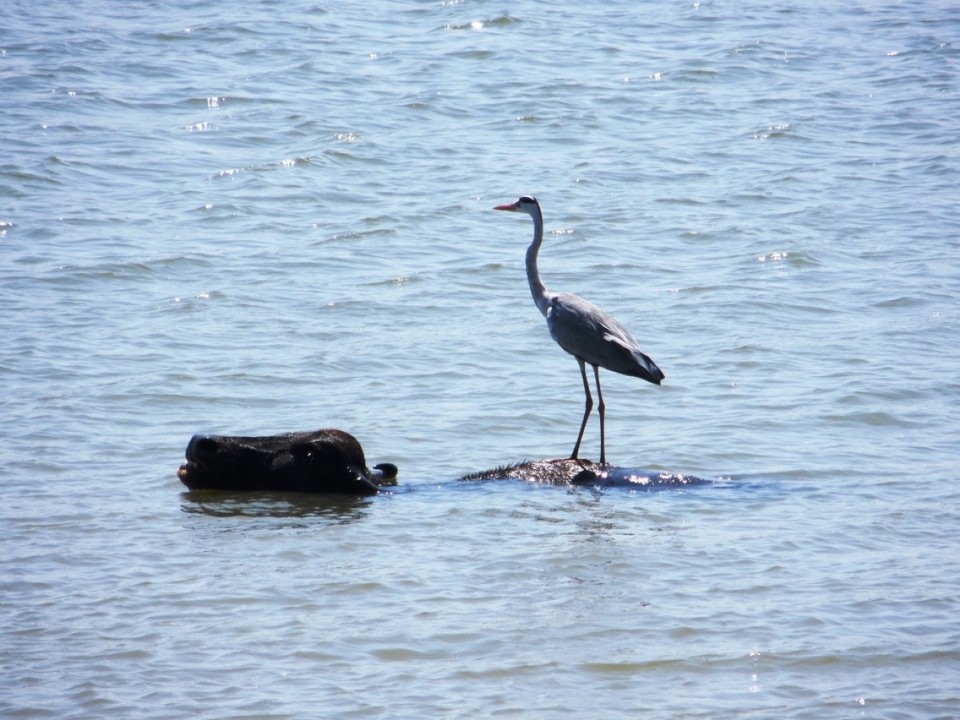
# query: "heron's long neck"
{"type": "Point", "coordinates": [537, 288]}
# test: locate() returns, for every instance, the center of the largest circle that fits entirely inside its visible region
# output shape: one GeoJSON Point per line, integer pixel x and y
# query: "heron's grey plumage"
{"type": "Point", "coordinates": [589, 333]}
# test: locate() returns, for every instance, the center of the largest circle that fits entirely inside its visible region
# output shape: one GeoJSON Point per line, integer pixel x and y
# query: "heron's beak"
{"type": "Point", "coordinates": [509, 206]}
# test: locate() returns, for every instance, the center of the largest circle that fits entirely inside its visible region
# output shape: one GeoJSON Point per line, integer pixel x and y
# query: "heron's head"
{"type": "Point", "coordinates": [526, 204]}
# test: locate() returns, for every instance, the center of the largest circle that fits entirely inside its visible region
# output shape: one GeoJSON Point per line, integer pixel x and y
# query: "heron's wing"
{"type": "Point", "coordinates": [589, 332]}
{"type": "Point", "coordinates": [626, 342]}
{"type": "Point", "coordinates": [585, 330]}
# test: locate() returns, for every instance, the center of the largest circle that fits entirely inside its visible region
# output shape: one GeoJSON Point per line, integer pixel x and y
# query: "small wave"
{"type": "Point", "coordinates": [501, 21]}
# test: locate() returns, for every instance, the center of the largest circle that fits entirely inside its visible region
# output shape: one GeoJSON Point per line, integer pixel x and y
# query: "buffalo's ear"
{"type": "Point", "coordinates": [385, 474]}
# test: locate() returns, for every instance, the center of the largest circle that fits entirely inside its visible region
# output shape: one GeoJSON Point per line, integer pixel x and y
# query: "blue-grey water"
{"type": "Point", "coordinates": [258, 217]}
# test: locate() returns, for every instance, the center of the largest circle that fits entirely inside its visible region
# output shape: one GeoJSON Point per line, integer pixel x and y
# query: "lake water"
{"type": "Point", "coordinates": [273, 216]}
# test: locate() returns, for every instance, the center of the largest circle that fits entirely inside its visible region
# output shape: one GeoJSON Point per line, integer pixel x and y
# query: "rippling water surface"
{"type": "Point", "coordinates": [277, 216]}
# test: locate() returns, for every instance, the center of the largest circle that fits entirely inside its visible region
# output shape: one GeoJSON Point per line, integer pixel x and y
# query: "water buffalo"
{"type": "Point", "coordinates": [321, 461]}
{"type": "Point", "coordinates": [332, 461]}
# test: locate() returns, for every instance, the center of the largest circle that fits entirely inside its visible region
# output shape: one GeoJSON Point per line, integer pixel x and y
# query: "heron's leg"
{"type": "Point", "coordinates": [586, 410]}
{"type": "Point", "coordinates": [601, 407]}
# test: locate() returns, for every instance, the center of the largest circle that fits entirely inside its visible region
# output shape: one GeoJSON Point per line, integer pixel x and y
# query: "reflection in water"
{"type": "Point", "coordinates": [347, 508]}
{"type": "Point", "coordinates": [341, 508]}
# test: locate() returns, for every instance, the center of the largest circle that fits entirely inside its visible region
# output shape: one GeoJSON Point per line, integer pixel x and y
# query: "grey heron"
{"type": "Point", "coordinates": [584, 330]}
